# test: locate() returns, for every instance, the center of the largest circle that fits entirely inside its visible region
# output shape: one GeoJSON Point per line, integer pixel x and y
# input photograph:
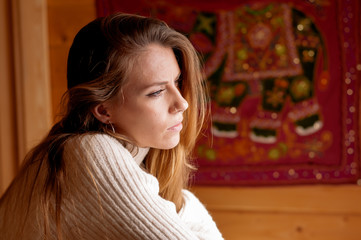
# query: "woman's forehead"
{"type": "Point", "coordinates": [154, 65]}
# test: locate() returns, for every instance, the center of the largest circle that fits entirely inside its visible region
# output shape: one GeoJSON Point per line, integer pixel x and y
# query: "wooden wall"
{"type": "Point", "coordinates": [66, 18]}
{"type": "Point", "coordinates": [312, 212]}
{"type": "Point", "coordinates": [24, 82]}
{"type": "Point", "coordinates": [7, 92]}
{"type": "Point", "coordinates": [282, 213]}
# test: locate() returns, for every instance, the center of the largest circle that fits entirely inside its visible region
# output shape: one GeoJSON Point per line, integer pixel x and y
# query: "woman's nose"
{"type": "Point", "coordinates": [179, 105]}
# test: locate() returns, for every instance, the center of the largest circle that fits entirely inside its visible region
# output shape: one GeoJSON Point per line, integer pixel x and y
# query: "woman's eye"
{"type": "Point", "coordinates": [155, 94]}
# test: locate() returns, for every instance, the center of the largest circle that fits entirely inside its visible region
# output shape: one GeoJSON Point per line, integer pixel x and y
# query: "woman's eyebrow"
{"type": "Point", "coordinates": [160, 83]}
{"type": "Point", "coordinates": [155, 84]}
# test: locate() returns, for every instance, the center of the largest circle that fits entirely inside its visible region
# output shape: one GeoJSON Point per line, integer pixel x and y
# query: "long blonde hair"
{"type": "Point", "coordinates": [99, 62]}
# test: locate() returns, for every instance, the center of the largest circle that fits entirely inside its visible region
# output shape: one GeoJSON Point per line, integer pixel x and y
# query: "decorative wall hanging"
{"type": "Point", "coordinates": [284, 81]}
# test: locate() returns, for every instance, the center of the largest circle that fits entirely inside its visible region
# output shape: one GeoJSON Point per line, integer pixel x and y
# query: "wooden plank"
{"type": "Point", "coordinates": [272, 226]}
{"type": "Point", "coordinates": [32, 77]}
{"type": "Point", "coordinates": [297, 199]}
{"type": "Point", "coordinates": [8, 153]}
{"type": "Point", "coordinates": [67, 18]}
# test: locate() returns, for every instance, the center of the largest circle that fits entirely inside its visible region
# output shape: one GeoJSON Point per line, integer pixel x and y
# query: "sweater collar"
{"type": "Point", "coordinates": [138, 153]}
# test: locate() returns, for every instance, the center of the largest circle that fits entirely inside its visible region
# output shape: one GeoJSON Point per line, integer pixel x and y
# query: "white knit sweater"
{"type": "Point", "coordinates": [111, 197]}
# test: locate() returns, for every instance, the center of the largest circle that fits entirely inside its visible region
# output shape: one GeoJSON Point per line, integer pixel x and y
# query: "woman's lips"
{"type": "Point", "coordinates": [176, 127]}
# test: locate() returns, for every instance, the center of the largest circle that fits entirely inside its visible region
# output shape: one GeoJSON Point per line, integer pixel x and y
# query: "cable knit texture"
{"type": "Point", "coordinates": [109, 196]}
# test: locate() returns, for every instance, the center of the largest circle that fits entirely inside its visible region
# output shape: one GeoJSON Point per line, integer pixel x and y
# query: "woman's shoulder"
{"type": "Point", "coordinates": [92, 138]}
{"type": "Point", "coordinates": [97, 147]}
{"type": "Point", "coordinates": [94, 141]}
{"type": "Point", "coordinates": [103, 158]}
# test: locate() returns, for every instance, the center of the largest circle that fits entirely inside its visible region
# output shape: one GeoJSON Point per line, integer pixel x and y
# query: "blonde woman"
{"type": "Point", "coordinates": [117, 164]}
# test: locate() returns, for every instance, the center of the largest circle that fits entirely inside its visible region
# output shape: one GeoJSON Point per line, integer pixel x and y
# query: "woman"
{"type": "Point", "coordinates": [116, 165]}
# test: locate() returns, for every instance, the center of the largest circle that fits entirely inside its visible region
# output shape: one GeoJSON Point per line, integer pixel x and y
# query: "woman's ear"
{"type": "Point", "coordinates": [100, 112]}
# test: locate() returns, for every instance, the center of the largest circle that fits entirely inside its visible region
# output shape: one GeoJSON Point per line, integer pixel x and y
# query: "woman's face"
{"type": "Point", "coordinates": [150, 110]}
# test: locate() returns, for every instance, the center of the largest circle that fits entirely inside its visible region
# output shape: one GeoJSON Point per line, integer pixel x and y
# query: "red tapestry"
{"type": "Point", "coordinates": [284, 81]}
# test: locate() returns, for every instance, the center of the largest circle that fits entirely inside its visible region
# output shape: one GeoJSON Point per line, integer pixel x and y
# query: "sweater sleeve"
{"type": "Point", "coordinates": [108, 196]}
{"type": "Point", "coordinates": [197, 218]}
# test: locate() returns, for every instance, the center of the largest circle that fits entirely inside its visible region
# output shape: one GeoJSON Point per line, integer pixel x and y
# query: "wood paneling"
{"type": "Point", "coordinates": [314, 212]}
{"type": "Point", "coordinates": [328, 199]}
{"type": "Point", "coordinates": [236, 225]}
{"type": "Point", "coordinates": [31, 65]}
{"type": "Point", "coordinates": [8, 148]}
{"type": "Point", "coordinates": [66, 18]}
{"type": "Point", "coordinates": [24, 89]}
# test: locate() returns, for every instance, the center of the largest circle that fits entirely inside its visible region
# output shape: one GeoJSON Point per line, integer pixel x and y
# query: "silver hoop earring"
{"type": "Point", "coordinates": [111, 125]}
